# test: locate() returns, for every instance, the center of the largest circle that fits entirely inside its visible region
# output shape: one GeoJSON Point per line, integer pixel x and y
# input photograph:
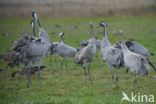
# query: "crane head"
{"type": "Point", "coordinates": [34, 15]}
{"type": "Point", "coordinates": [53, 47]}
{"type": "Point", "coordinates": [103, 24]}
{"type": "Point", "coordinates": [61, 34]}
{"type": "Point", "coordinates": [129, 43]}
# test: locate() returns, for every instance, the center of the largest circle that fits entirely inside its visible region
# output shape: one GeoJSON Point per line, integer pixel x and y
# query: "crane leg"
{"type": "Point", "coordinates": [85, 73]}
{"type": "Point", "coordinates": [39, 75]}
{"type": "Point", "coordinates": [61, 65]}
{"type": "Point", "coordinates": [66, 66]}
{"type": "Point", "coordinates": [39, 72]}
{"type": "Point", "coordinates": [97, 58]}
{"type": "Point", "coordinates": [50, 60]}
{"type": "Point", "coordinates": [127, 70]}
{"type": "Point", "coordinates": [6, 67]}
{"type": "Point", "coordinates": [55, 60]}
{"type": "Point", "coordinates": [88, 69]}
{"type": "Point", "coordinates": [28, 84]}
{"type": "Point", "coordinates": [134, 80]}
{"type": "Point", "coordinates": [112, 75]}
{"type": "Point", "coordinates": [116, 78]}
{"type": "Point", "coordinates": [89, 75]}
{"type": "Point", "coordinates": [19, 82]}
{"type": "Point", "coordinates": [62, 62]}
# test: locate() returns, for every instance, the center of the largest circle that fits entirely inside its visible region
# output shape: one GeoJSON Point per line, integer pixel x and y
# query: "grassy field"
{"type": "Point", "coordinates": [59, 88]}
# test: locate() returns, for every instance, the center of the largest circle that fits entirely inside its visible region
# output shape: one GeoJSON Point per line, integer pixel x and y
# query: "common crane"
{"type": "Point", "coordinates": [111, 55]}
{"type": "Point", "coordinates": [84, 43]}
{"type": "Point", "coordinates": [27, 73]}
{"type": "Point", "coordinates": [86, 54]}
{"type": "Point", "coordinates": [29, 50]}
{"type": "Point", "coordinates": [136, 63]}
{"type": "Point", "coordinates": [136, 48]}
{"type": "Point", "coordinates": [140, 49]}
{"type": "Point", "coordinates": [97, 43]}
{"type": "Point", "coordinates": [64, 50]}
{"type": "Point", "coordinates": [12, 56]}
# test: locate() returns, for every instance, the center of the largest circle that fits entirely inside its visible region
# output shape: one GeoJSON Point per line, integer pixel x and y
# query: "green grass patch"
{"type": "Point", "coordinates": [59, 88]}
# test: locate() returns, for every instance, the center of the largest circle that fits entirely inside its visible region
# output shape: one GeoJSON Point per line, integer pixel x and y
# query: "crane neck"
{"type": "Point", "coordinates": [124, 47]}
{"type": "Point", "coordinates": [34, 33]}
{"type": "Point", "coordinates": [33, 27]}
{"type": "Point", "coordinates": [91, 32]}
{"type": "Point", "coordinates": [104, 31]}
{"type": "Point", "coordinates": [106, 40]}
{"type": "Point", "coordinates": [62, 39]}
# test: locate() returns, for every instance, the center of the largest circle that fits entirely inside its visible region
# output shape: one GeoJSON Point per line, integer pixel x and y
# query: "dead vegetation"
{"type": "Point", "coordinates": [74, 8]}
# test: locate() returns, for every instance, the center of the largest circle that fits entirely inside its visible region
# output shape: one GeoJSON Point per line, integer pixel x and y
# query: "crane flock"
{"type": "Point", "coordinates": [29, 51]}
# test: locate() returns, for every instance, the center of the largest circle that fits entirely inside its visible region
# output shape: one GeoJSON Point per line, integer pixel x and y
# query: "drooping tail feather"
{"type": "Point", "coordinates": [152, 65]}
{"type": "Point", "coordinates": [15, 62]}
{"type": "Point", "coordinates": [144, 67]}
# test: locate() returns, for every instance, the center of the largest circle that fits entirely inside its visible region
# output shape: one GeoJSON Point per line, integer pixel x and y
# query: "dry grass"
{"type": "Point", "coordinates": [73, 8]}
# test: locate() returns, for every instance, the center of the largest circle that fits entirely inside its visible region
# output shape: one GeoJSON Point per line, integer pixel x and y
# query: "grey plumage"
{"type": "Point", "coordinates": [91, 35]}
{"type": "Point", "coordinates": [28, 73]}
{"type": "Point", "coordinates": [64, 50]}
{"type": "Point", "coordinates": [137, 48]}
{"type": "Point", "coordinates": [140, 49]}
{"type": "Point", "coordinates": [97, 43]}
{"type": "Point", "coordinates": [84, 43]}
{"type": "Point", "coordinates": [85, 55]}
{"type": "Point", "coordinates": [134, 62]}
{"type": "Point", "coordinates": [12, 57]}
{"type": "Point", "coordinates": [28, 50]}
{"type": "Point", "coordinates": [111, 55]}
